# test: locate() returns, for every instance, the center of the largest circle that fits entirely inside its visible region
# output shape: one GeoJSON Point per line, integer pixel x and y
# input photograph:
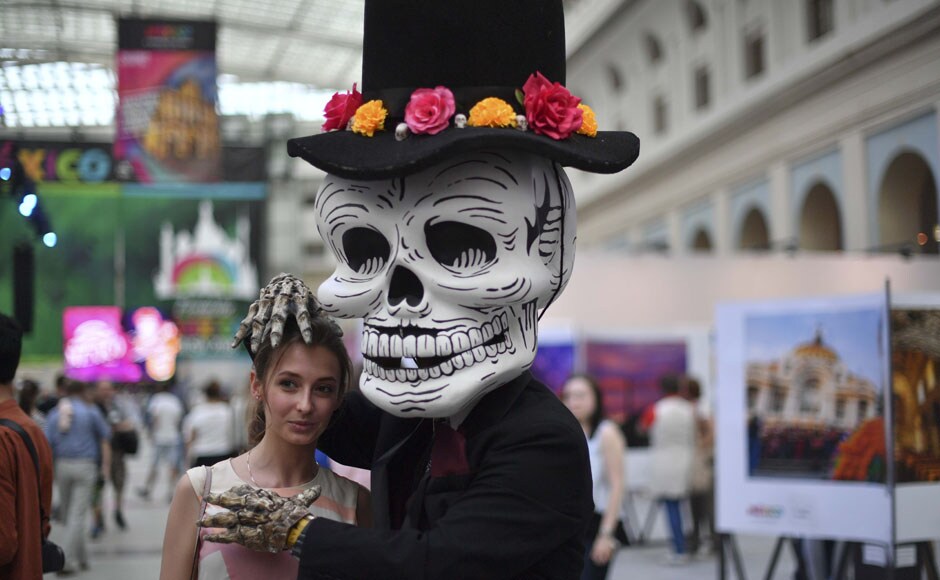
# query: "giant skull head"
{"type": "Point", "coordinates": [448, 268]}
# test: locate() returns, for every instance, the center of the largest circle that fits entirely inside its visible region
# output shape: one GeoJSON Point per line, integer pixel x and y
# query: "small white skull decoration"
{"type": "Point", "coordinates": [448, 267]}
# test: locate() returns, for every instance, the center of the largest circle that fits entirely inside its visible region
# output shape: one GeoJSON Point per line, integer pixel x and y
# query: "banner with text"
{"type": "Point", "coordinates": [167, 120]}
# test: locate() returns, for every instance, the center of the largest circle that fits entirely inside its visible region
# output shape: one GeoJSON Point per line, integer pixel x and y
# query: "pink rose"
{"type": "Point", "coordinates": [341, 109]}
{"type": "Point", "coordinates": [429, 110]}
{"type": "Point", "coordinates": [550, 108]}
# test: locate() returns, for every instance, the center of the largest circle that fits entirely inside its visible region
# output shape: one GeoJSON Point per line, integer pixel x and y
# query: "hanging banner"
{"type": "Point", "coordinates": [628, 370]}
{"type": "Point", "coordinates": [167, 120]}
{"type": "Point", "coordinates": [802, 408]}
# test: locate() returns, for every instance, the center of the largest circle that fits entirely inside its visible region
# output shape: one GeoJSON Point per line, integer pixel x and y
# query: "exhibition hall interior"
{"type": "Point", "coordinates": [767, 269]}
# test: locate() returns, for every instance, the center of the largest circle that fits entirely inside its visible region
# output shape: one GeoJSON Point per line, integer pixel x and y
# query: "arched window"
{"type": "Point", "coordinates": [696, 15]}
{"type": "Point", "coordinates": [754, 232]}
{"type": "Point", "coordinates": [701, 241]}
{"type": "Point", "coordinates": [654, 48]}
{"type": "Point", "coordinates": [615, 78]}
{"type": "Point", "coordinates": [820, 222]}
{"type": "Point", "coordinates": [907, 206]}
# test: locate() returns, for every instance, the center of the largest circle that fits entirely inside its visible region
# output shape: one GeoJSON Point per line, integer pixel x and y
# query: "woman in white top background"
{"type": "Point", "coordinates": [672, 427]}
{"type": "Point", "coordinates": [606, 447]}
{"type": "Point", "coordinates": [209, 428]}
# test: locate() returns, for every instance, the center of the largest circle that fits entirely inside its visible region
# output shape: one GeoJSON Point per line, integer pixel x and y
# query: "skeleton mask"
{"type": "Point", "coordinates": [448, 268]}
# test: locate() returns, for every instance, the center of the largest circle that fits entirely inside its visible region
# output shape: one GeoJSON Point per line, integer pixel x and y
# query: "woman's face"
{"type": "Point", "coordinates": [300, 393]}
{"type": "Point", "coordinates": [579, 398]}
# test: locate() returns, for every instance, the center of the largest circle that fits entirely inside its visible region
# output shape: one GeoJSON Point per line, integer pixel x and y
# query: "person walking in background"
{"type": "Point", "coordinates": [165, 415]}
{"type": "Point", "coordinates": [23, 512]}
{"type": "Point", "coordinates": [209, 429]}
{"type": "Point", "coordinates": [671, 425]}
{"type": "Point", "coordinates": [81, 450]}
{"type": "Point", "coordinates": [27, 399]}
{"type": "Point", "coordinates": [702, 483]}
{"type": "Point", "coordinates": [122, 428]}
{"type": "Point", "coordinates": [606, 447]}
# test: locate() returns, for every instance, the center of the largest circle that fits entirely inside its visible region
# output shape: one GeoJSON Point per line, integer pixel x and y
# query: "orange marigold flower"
{"type": "Point", "coordinates": [492, 112]}
{"type": "Point", "coordinates": [588, 121]}
{"type": "Point", "coordinates": [369, 118]}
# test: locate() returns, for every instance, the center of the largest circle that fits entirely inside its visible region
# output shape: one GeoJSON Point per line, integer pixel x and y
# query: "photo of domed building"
{"type": "Point", "coordinates": [806, 402]}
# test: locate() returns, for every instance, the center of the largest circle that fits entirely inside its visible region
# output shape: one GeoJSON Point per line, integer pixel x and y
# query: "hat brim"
{"type": "Point", "coordinates": [353, 156]}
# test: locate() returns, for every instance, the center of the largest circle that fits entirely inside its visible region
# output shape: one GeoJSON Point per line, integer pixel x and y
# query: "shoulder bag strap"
{"type": "Point", "coordinates": [202, 512]}
{"type": "Point", "coordinates": [32, 452]}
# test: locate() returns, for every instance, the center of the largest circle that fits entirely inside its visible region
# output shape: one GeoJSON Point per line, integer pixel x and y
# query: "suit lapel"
{"type": "Point", "coordinates": [391, 484]}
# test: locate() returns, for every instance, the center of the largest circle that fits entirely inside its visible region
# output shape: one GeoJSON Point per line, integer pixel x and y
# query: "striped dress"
{"type": "Point", "coordinates": [337, 501]}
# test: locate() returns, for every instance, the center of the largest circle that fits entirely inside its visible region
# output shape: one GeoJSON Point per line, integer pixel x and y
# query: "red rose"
{"type": "Point", "coordinates": [341, 109]}
{"type": "Point", "coordinates": [550, 108]}
{"type": "Point", "coordinates": [429, 110]}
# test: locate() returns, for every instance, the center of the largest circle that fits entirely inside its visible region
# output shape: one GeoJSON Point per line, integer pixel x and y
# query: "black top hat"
{"type": "Point", "coordinates": [477, 49]}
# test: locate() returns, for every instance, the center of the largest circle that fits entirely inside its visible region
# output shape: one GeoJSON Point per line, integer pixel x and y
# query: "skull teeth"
{"type": "Point", "coordinates": [407, 356]}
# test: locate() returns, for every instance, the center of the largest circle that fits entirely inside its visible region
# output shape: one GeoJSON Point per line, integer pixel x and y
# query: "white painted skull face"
{"type": "Point", "coordinates": [448, 268]}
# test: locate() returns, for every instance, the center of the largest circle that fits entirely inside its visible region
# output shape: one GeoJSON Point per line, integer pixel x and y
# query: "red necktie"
{"type": "Point", "coordinates": [449, 452]}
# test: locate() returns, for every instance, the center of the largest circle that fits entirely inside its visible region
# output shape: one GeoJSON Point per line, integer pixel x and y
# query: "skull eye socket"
{"type": "Point", "coordinates": [458, 246]}
{"type": "Point", "coordinates": [367, 250]}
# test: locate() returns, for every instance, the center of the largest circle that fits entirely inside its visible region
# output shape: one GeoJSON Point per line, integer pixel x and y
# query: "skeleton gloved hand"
{"type": "Point", "coordinates": [285, 295]}
{"type": "Point", "coordinates": [257, 518]}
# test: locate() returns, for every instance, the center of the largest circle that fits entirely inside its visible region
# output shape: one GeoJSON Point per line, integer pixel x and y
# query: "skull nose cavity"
{"type": "Point", "coordinates": [405, 286]}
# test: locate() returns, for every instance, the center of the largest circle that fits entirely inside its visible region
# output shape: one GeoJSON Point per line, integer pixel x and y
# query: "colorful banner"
{"type": "Point", "coordinates": [167, 120]}
{"type": "Point", "coordinates": [100, 345]}
{"type": "Point", "coordinates": [629, 371]}
{"type": "Point", "coordinates": [209, 275]}
{"type": "Point", "coordinates": [801, 414]}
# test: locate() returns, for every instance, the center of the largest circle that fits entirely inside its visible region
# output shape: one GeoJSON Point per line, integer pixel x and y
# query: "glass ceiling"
{"type": "Point", "coordinates": [275, 56]}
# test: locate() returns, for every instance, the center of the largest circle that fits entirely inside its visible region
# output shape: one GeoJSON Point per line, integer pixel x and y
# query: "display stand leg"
{"type": "Point", "coordinates": [631, 520]}
{"type": "Point", "coordinates": [650, 520]}
{"type": "Point", "coordinates": [728, 546]}
{"type": "Point", "coordinates": [775, 557]}
{"type": "Point", "coordinates": [928, 560]}
{"type": "Point", "coordinates": [848, 554]}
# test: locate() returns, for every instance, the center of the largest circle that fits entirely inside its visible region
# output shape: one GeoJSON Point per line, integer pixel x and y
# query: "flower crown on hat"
{"type": "Point", "coordinates": [550, 110]}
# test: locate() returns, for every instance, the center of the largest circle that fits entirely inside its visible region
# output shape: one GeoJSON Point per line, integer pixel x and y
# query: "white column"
{"type": "Point", "coordinates": [723, 225]}
{"type": "Point", "coordinates": [674, 232]}
{"type": "Point", "coordinates": [855, 210]}
{"type": "Point", "coordinates": [781, 220]}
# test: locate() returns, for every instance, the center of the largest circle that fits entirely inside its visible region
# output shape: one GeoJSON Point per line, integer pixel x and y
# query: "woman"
{"type": "Point", "coordinates": [295, 389]}
{"type": "Point", "coordinates": [606, 447]}
{"type": "Point", "coordinates": [209, 429]}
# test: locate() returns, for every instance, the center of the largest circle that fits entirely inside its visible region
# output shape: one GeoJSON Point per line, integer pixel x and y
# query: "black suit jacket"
{"type": "Point", "coordinates": [519, 511]}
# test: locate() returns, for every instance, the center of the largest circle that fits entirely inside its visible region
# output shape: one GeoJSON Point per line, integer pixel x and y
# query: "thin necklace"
{"type": "Point", "coordinates": [250, 476]}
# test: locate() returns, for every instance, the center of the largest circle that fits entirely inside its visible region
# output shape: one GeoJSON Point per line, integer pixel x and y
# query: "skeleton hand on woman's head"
{"type": "Point", "coordinates": [285, 295]}
{"type": "Point", "coordinates": [257, 518]}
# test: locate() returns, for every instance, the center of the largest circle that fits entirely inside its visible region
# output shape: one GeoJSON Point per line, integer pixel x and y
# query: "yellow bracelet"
{"type": "Point", "coordinates": [296, 530]}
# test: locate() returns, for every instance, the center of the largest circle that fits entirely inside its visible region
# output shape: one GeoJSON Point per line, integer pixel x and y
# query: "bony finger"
{"type": "Point", "coordinates": [230, 537]}
{"type": "Point", "coordinates": [307, 497]}
{"type": "Point", "coordinates": [219, 520]}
